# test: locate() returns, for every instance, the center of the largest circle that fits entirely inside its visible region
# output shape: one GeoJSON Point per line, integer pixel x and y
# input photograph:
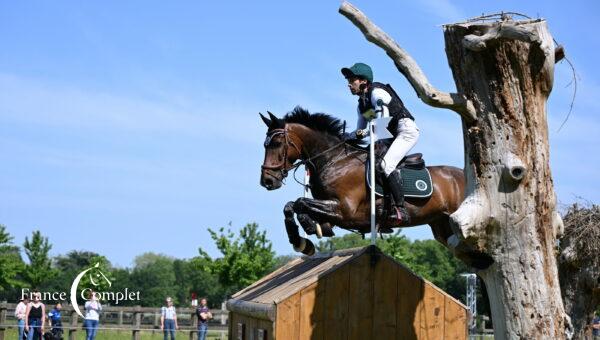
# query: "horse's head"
{"type": "Point", "coordinates": [280, 153]}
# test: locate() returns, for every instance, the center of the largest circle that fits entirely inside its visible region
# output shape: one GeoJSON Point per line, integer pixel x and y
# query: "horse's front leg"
{"type": "Point", "coordinates": [312, 227]}
{"type": "Point", "coordinates": [301, 244]}
{"type": "Point", "coordinates": [319, 210]}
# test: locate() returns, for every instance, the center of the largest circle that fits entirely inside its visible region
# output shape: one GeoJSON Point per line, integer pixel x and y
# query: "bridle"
{"type": "Point", "coordinates": [281, 167]}
{"type": "Point", "coordinates": [288, 141]}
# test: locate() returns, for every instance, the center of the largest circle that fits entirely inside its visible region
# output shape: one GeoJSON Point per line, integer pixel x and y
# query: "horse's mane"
{"type": "Point", "coordinates": [316, 121]}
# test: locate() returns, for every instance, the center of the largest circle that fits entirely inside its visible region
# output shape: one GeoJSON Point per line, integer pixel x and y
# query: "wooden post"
{"type": "Point", "coordinates": [73, 328]}
{"type": "Point", "coordinates": [156, 320]}
{"type": "Point", "coordinates": [137, 323]}
{"type": "Point", "coordinates": [3, 308]}
{"type": "Point", "coordinates": [120, 318]}
{"type": "Point", "coordinates": [194, 330]}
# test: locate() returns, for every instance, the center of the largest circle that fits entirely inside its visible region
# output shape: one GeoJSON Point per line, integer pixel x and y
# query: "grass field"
{"type": "Point", "coordinates": [11, 334]}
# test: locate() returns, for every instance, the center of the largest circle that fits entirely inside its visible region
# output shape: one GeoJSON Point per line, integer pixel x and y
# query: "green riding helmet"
{"type": "Point", "coordinates": [360, 70]}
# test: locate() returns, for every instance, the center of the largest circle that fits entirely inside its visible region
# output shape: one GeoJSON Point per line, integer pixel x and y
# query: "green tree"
{"type": "Point", "coordinates": [39, 269]}
{"type": "Point", "coordinates": [11, 263]}
{"type": "Point", "coordinates": [69, 266]}
{"type": "Point", "coordinates": [246, 258]}
{"type": "Point", "coordinates": [153, 275]}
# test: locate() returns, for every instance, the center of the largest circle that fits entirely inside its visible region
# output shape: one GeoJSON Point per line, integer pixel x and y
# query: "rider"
{"type": "Point", "coordinates": [377, 100]}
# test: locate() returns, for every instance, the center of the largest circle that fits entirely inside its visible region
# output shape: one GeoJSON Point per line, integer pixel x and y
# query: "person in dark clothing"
{"type": "Point", "coordinates": [55, 321]}
{"type": "Point", "coordinates": [204, 315]}
{"type": "Point", "coordinates": [35, 317]}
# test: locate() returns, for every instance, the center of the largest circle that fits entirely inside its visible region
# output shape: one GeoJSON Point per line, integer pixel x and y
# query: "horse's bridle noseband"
{"type": "Point", "coordinates": [288, 141]}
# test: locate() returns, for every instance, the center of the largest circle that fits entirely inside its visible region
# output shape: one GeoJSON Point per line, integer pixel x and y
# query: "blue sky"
{"type": "Point", "coordinates": [128, 127]}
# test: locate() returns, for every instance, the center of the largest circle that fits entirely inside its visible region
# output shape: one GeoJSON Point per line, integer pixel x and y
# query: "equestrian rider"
{"type": "Point", "coordinates": [377, 100]}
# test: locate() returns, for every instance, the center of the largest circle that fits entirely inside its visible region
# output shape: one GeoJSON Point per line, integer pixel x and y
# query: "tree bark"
{"type": "Point", "coordinates": [505, 70]}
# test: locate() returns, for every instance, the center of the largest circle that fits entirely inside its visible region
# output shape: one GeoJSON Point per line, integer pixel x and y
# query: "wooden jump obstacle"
{"type": "Point", "coordinates": [358, 293]}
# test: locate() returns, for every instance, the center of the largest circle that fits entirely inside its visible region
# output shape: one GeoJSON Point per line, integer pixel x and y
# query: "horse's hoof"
{"type": "Point", "coordinates": [319, 231]}
{"type": "Point", "coordinates": [309, 249]}
{"type": "Point", "coordinates": [300, 248]}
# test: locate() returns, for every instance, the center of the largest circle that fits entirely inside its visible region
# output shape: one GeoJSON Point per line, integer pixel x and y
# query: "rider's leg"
{"type": "Point", "coordinates": [406, 138]}
{"type": "Point", "coordinates": [408, 134]}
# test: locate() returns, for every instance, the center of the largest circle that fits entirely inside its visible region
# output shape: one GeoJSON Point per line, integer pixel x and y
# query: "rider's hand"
{"type": "Point", "coordinates": [360, 134]}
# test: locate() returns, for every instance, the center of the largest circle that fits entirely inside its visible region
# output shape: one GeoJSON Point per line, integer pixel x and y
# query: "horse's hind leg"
{"type": "Point", "coordinates": [301, 244]}
{"type": "Point", "coordinates": [441, 229]}
{"type": "Point", "coordinates": [442, 232]}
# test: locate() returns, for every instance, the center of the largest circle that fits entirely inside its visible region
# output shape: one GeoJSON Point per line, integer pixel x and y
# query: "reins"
{"type": "Point", "coordinates": [288, 141]}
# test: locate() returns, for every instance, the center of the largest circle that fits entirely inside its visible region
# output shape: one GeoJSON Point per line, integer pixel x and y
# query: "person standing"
{"type": "Point", "coordinates": [92, 316]}
{"type": "Point", "coordinates": [35, 317]}
{"type": "Point", "coordinates": [378, 100]}
{"type": "Point", "coordinates": [20, 313]}
{"type": "Point", "coordinates": [168, 319]}
{"type": "Point", "coordinates": [55, 320]}
{"type": "Point", "coordinates": [204, 315]}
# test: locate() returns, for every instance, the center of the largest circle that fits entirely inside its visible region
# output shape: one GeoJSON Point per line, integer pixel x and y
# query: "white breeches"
{"type": "Point", "coordinates": [408, 134]}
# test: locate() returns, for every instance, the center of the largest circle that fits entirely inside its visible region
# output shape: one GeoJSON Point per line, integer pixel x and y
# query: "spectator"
{"type": "Point", "coordinates": [92, 316]}
{"type": "Point", "coordinates": [35, 317]}
{"type": "Point", "coordinates": [55, 321]}
{"type": "Point", "coordinates": [20, 313]}
{"type": "Point", "coordinates": [596, 326]}
{"type": "Point", "coordinates": [168, 319]}
{"type": "Point", "coordinates": [204, 315]}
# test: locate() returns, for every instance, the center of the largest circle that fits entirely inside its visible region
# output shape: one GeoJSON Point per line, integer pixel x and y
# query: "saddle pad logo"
{"type": "Point", "coordinates": [421, 185]}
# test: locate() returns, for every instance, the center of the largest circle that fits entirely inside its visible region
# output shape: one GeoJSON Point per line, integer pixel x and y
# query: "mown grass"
{"type": "Point", "coordinates": [11, 334]}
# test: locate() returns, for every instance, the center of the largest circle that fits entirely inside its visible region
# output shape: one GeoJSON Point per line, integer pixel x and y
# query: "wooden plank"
{"type": "Point", "coordinates": [409, 305]}
{"type": "Point", "coordinates": [432, 317]}
{"type": "Point", "coordinates": [456, 319]}
{"type": "Point", "coordinates": [288, 314]}
{"type": "Point", "coordinates": [336, 303]}
{"type": "Point", "coordinates": [312, 308]}
{"type": "Point", "coordinates": [360, 319]}
{"type": "Point", "coordinates": [385, 293]}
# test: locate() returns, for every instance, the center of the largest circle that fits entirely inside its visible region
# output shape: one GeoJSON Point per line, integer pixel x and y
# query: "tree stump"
{"type": "Point", "coordinates": [503, 72]}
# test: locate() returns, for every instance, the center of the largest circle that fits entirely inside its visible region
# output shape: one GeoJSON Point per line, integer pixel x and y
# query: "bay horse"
{"type": "Point", "coordinates": [338, 183]}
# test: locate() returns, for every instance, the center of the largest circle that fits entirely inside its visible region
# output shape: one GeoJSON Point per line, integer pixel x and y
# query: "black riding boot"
{"type": "Point", "coordinates": [394, 181]}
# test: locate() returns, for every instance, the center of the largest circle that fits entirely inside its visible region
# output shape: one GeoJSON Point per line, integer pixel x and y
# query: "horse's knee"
{"type": "Point", "coordinates": [288, 209]}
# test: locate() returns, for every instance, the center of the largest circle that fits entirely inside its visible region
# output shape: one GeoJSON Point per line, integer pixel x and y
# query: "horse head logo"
{"type": "Point", "coordinates": [95, 277]}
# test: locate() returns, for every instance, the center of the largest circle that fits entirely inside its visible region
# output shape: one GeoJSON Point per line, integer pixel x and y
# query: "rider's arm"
{"type": "Point", "coordinates": [380, 99]}
{"type": "Point", "coordinates": [361, 124]}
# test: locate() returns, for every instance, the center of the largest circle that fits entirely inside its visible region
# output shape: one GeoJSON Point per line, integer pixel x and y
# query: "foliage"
{"type": "Point", "coordinates": [39, 269]}
{"type": "Point", "coordinates": [246, 258]}
{"type": "Point", "coordinates": [11, 263]}
{"type": "Point", "coordinates": [154, 277]}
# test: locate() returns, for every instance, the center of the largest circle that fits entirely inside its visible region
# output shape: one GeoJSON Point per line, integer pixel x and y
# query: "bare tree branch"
{"type": "Point", "coordinates": [409, 67]}
{"type": "Point", "coordinates": [503, 30]}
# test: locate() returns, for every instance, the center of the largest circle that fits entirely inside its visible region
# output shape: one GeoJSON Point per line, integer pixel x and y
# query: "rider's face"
{"type": "Point", "coordinates": [356, 85]}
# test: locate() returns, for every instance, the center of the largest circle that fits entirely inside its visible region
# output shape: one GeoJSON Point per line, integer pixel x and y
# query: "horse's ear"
{"type": "Point", "coordinates": [265, 119]}
{"type": "Point", "coordinates": [276, 122]}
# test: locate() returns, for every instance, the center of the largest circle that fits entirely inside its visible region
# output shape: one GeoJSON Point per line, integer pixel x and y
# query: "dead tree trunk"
{"type": "Point", "coordinates": [504, 74]}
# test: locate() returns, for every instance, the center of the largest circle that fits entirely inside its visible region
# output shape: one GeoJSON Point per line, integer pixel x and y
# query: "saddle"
{"type": "Point", "coordinates": [412, 161]}
{"type": "Point", "coordinates": [415, 176]}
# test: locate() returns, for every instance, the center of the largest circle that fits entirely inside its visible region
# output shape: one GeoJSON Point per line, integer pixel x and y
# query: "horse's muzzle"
{"type": "Point", "coordinates": [269, 181]}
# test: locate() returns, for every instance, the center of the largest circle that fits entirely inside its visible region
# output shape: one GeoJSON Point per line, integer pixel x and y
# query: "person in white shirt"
{"type": "Point", "coordinates": [92, 316]}
{"type": "Point", "coordinates": [168, 319]}
{"type": "Point", "coordinates": [20, 311]}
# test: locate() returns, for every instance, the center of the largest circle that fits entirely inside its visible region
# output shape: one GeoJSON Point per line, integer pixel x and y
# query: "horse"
{"type": "Point", "coordinates": [337, 181]}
